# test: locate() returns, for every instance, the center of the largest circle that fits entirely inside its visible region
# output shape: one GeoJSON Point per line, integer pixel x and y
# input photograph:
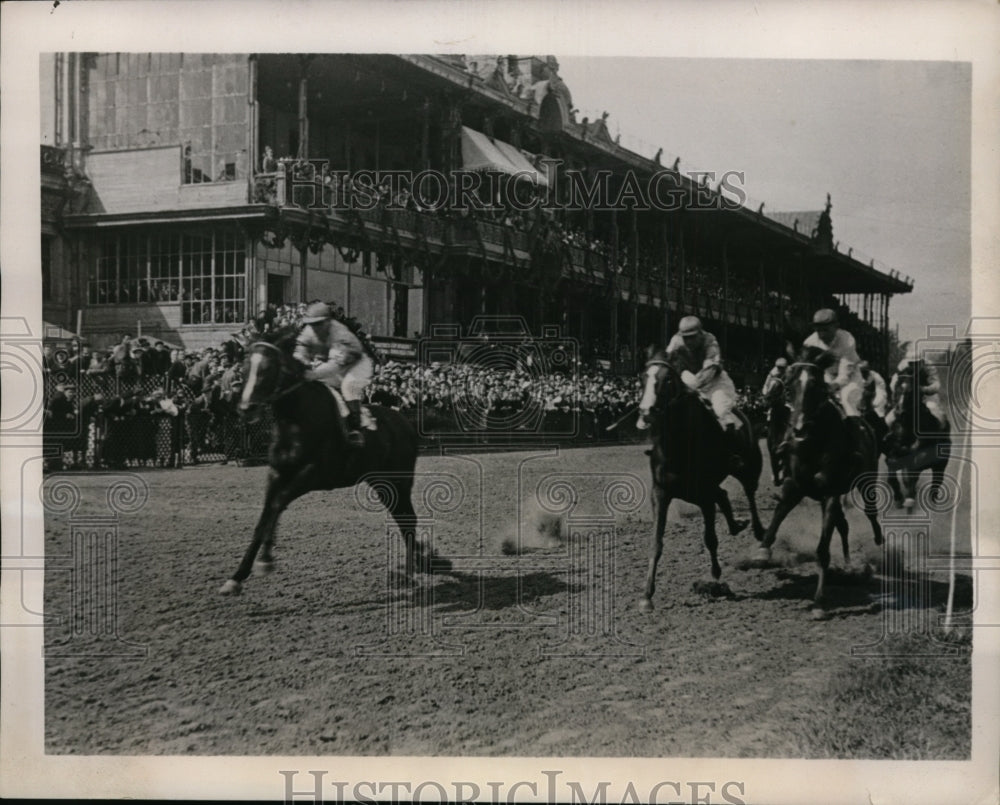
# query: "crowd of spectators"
{"type": "Point", "coordinates": [143, 403]}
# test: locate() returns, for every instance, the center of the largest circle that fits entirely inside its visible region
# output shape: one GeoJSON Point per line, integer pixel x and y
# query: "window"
{"type": "Point", "coordinates": [213, 120]}
{"type": "Point", "coordinates": [205, 272]}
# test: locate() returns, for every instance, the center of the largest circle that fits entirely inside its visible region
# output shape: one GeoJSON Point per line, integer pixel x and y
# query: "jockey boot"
{"type": "Point", "coordinates": [354, 435]}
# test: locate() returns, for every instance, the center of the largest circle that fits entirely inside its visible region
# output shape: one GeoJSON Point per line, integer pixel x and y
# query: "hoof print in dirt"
{"type": "Point", "coordinates": [712, 589]}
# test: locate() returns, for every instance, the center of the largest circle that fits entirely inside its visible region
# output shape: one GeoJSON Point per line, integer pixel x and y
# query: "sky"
{"type": "Point", "coordinates": [889, 140]}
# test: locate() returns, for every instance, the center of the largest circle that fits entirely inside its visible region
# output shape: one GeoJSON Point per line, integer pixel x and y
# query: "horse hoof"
{"type": "Point", "coordinates": [231, 587]}
{"type": "Point", "coordinates": [645, 605]}
{"type": "Point", "coordinates": [762, 554]}
{"type": "Point", "coordinates": [908, 504]}
{"type": "Point", "coordinates": [263, 567]}
{"type": "Point", "coordinates": [819, 614]}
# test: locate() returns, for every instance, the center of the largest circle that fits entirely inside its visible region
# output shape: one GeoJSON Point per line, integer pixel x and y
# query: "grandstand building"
{"type": "Point", "coordinates": [184, 193]}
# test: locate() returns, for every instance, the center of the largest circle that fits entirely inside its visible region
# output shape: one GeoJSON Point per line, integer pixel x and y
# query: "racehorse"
{"type": "Point", "coordinates": [690, 457]}
{"type": "Point", "coordinates": [778, 415]}
{"type": "Point", "coordinates": [916, 441]}
{"type": "Point", "coordinates": [825, 455]}
{"type": "Point", "coordinates": [309, 451]}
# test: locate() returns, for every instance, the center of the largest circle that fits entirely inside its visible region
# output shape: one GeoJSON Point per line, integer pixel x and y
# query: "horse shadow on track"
{"type": "Point", "coordinates": [458, 591]}
{"type": "Point", "coordinates": [853, 593]}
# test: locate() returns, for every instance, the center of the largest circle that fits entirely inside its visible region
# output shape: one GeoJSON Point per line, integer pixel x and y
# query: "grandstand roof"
{"type": "Point", "coordinates": [805, 222]}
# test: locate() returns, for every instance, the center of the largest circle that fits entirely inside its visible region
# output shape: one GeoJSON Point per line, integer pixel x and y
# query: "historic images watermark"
{"type": "Point", "coordinates": [551, 785]}
{"type": "Point", "coordinates": [311, 184]}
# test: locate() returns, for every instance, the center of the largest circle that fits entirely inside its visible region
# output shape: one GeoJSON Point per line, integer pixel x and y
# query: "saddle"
{"type": "Point", "coordinates": [367, 420]}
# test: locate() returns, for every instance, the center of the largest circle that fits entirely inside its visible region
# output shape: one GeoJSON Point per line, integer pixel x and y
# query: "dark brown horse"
{"type": "Point", "coordinates": [825, 455]}
{"type": "Point", "coordinates": [916, 442]}
{"type": "Point", "coordinates": [309, 451]}
{"type": "Point", "coordinates": [691, 455]}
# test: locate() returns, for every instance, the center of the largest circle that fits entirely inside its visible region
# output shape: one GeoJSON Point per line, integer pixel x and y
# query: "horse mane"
{"type": "Point", "coordinates": [283, 337]}
{"type": "Point", "coordinates": [816, 355]}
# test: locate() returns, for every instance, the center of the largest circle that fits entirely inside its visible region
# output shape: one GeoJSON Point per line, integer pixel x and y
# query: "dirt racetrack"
{"type": "Point", "coordinates": [492, 657]}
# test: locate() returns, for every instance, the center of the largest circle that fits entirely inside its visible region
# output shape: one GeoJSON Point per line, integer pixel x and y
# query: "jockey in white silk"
{"type": "Point", "coordinates": [336, 358]}
{"type": "Point", "coordinates": [843, 377]}
{"type": "Point", "coordinates": [875, 395]}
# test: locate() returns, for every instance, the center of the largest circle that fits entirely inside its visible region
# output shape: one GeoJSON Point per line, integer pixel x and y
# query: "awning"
{"type": "Point", "coordinates": [480, 153]}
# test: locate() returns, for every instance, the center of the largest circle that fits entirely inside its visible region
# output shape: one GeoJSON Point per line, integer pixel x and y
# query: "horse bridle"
{"type": "Point", "coordinates": [660, 406]}
{"type": "Point", "coordinates": [282, 369]}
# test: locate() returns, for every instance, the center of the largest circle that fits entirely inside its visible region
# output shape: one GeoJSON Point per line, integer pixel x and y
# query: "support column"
{"type": "Point", "coordinates": [725, 295]}
{"type": "Point", "coordinates": [303, 107]}
{"type": "Point", "coordinates": [614, 290]}
{"type": "Point", "coordinates": [634, 295]}
{"type": "Point", "coordinates": [762, 322]}
{"type": "Point", "coordinates": [425, 134]}
{"type": "Point", "coordinates": [665, 317]}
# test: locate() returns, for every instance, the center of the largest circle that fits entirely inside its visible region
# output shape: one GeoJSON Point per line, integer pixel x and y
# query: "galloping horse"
{"type": "Point", "coordinates": [914, 442]}
{"type": "Point", "coordinates": [825, 455]}
{"type": "Point", "coordinates": [309, 451]}
{"type": "Point", "coordinates": [689, 459]}
{"type": "Point", "coordinates": [778, 416]}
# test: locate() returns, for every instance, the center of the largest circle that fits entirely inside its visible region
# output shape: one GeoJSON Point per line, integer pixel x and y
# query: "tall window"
{"type": "Point", "coordinates": [205, 272]}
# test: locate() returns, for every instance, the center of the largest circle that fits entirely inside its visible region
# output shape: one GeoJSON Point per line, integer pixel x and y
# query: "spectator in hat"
{"type": "Point", "coordinates": [161, 360]}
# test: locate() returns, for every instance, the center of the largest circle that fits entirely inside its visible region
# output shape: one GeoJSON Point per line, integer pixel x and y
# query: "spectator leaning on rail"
{"type": "Point", "coordinates": [842, 375]}
{"type": "Point", "coordinates": [337, 358]}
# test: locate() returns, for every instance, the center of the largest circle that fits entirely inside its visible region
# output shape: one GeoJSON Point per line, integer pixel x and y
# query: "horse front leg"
{"type": "Point", "coordinates": [791, 496]}
{"type": "Point", "coordinates": [662, 503]}
{"type": "Point", "coordinates": [893, 479]}
{"type": "Point", "coordinates": [279, 494]}
{"type": "Point", "coordinates": [832, 513]}
{"type": "Point", "coordinates": [750, 490]}
{"type": "Point", "coordinates": [840, 523]}
{"type": "Point", "coordinates": [711, 538]}
{"type": "Point", "coordinates": [910, 477]}
{"type": "Point", "coordinates": [722, 499]}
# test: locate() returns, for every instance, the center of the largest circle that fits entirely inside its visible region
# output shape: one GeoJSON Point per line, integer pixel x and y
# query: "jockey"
{"type": "Point", "coordinates": [842, 376]}
{"type": "Point", "coordinates": [775, 377]}
{"type": "Point", "coordinates": [874, 396]}
{"type": "Point", "coordinates": [928, 381]}
{"type": "Point", "coordinates": [695, 353]}
{"type": "Point", "coordinates": [340, 362]}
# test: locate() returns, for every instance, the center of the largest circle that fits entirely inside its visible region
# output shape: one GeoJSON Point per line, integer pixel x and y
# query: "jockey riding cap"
{"type": "Point", "coordinates": [824, 316]}
{"type": "Point", "coordinates": [689, 325]}
{"type": "Point", "coordinates": [316, 312]}
{"type": "Point", "coordinates": [781, 363]}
